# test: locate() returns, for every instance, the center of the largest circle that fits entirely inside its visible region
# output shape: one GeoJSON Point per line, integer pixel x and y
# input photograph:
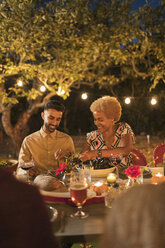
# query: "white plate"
{"type": "Point", "coordinates": [55, 194]}
{"type": "Point", "coordinates": [65, 194]}
{"type": "Point", "coordinates": [102, 172]}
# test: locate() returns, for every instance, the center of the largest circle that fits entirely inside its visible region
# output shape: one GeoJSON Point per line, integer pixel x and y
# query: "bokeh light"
{"type": "Point", "coordinates": [20, 83]}
{"type": "Point", "coordinates": [84, 96]}
{"type": "Point", "coordinates": [127, 100]}
{"type": "Point", "coordinates": [153, 101]}
{"type": "Point", "coordinates": [42, 88]}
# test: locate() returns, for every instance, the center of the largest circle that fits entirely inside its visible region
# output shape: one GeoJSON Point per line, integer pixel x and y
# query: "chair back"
{"type": "Point", "coordinates": [158, 154]}
{"type": "Point", "coordinates": [138, 158]}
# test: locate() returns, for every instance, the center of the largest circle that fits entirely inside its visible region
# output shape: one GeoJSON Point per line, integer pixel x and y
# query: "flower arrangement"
{"type": "Point", "coordinates": [70, 163]}
{"type": "Point", "coordinates": [133, 171]}
{"type": "Point", "coordinates": [62, 168]}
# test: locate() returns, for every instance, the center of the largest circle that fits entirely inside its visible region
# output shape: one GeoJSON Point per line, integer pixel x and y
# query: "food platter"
{"type": "Point", "coordinates": [102, 172]}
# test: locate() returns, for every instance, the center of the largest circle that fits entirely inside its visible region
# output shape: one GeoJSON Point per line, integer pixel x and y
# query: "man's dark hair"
{"type": "Point", "coordinates": [52, 104]}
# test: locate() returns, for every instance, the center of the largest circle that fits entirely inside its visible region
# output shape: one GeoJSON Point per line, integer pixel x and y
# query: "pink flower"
{"type": "Point", "coordinates": [61, 168]}
{"type": "Point", "coordinates": [133, 171]}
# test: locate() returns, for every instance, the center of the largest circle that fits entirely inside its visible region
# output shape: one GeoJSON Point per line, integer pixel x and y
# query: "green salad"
{"type": "Point", "coordinates": [5, 163]}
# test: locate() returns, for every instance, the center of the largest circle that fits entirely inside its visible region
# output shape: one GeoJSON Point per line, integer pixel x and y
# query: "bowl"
{"type": "Point", "coordinates": [9, 164]}
{"type": "Point", "coordinates": [102, 172]}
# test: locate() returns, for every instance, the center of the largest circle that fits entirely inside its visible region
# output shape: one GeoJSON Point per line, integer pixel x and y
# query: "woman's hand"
{"type": "Point", "coordinates": [87, 155]}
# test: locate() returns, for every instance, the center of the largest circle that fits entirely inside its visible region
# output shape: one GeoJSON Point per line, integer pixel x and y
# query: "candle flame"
{"type": "Point", "coordinates": [158, 174]}
{"type": "Point", "coordinates": [98, 184]}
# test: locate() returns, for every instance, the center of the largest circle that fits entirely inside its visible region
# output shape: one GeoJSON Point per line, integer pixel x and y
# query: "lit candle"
{"type": "Point", "coordinates": [98, 184]}
{"type": "Point", "coordinates": [158, 174]}
{"type": "Point", "coordinates": [98, 188]}
{"type": "Point", "coordinates": [158, 178]}
{"type": "Point", "coordinates": [111, 178]}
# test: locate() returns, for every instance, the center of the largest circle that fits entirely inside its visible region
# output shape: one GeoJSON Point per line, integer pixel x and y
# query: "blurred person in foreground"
{"type": "Point", "coordinates": [46, 147]}
{"type": "Point", "coordinates": [137, 219]}
{"type": "Point", "coordinates": [111, 137]}
{"type": "Point", "coordinates": [24, 217]}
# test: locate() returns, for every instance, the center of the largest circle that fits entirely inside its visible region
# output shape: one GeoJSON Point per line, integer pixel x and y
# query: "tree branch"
{"type": "Point", "coordinates": [141, 74]}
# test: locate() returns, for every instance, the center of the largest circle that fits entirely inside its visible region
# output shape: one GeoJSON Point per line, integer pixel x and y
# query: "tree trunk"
{"type": "Point", "coordinates": [17, 132]}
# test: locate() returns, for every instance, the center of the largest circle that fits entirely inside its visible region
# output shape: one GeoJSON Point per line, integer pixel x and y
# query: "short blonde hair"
{"type": "Point", "coordinates": [110, 106]}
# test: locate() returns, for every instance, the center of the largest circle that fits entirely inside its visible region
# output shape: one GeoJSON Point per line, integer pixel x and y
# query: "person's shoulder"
{"type": "Point", "coordinates": [61, 134]}
{"type": "Point", "coordinates": [123, 125]}
{"type": "Point", "coordinates": [32, 135]}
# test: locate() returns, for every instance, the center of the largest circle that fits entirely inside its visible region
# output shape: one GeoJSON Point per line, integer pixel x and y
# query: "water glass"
{"type": "Point", "coordinates": [110, 195]}
{"type": "Point", "coordinates": [87, 172]}
{"type": "Point", "coordinates": [108, 199]}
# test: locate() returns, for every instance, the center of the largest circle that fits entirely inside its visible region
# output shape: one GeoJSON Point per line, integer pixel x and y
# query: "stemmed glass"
{"type": "Point", "coordinates": [78, 191]}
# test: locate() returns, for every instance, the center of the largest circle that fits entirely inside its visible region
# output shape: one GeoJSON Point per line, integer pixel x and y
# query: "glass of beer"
{"type": "Point", "coordinates": [78, 191]}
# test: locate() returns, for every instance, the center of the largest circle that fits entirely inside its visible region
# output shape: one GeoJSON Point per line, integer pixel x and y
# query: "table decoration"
{"type": "Point", "coordinates": [156, 170]}
{"type": "Point", "coordinates": [133, 173]}
{"type": "Point", "coordinates": [158, 178]}
{"type": "Point", "coordinates": [111, 178]}
{"type": "Point", "coordinates": [63, 172]}
{"type": "Point", "coordinates": [99, 188]}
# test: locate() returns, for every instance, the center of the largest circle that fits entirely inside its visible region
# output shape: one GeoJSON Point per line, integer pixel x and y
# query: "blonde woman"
{"type": "Point", "coordinates": [111, 137]}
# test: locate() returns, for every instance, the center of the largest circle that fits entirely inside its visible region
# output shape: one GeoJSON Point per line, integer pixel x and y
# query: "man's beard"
{"type": "Point", "coordinates": [47, 126]}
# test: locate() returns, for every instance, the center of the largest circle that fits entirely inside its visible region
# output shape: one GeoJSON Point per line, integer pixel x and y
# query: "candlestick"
{"type": "Point", "coordinates": [99, 187]}
{"type": "Point", "coordinates": [111, 178]}
{"type": "Point", "coordinates": [158, 178]}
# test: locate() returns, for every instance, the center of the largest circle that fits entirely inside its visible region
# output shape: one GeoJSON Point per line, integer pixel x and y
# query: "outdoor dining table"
{"type": "Point", "coordinates": [90, 229]}
{"type": "Point", "coordinates": [76, 230]}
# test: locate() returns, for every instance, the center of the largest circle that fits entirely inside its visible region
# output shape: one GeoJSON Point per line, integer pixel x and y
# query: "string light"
{"type": "Point", "coordinates": [153, 101]}
{"type": "Point", "coordinates": [20, 83]}
{"type": "Point", "coordinates": [127, 100]}
{"type": "Point", "coordinates": [84, 96]}
{"type": "Point", "coordinates": [42, 88]}
{"type": "Point", "coordinates": [60, 91]}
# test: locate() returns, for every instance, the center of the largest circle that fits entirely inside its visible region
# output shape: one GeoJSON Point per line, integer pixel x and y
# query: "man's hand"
{"type": "Point", "coordinates": [33, 172]}
{"type": "Point", "coordinates": [87, 155]}
{"type": "Point", "coordinates": [60, 154]}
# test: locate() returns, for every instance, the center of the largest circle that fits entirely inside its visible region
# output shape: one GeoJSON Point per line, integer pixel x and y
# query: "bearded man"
{"type": "Point", "coordinates": [47, 147]}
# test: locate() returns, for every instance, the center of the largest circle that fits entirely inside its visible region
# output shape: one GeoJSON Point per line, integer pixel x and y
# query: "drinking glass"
{"type": "Point", "coordinates": [87, 170]}
{"type": "Point", "coordinates": [78, 192]}
{"type": "Point", "coordinates": [110, 195]}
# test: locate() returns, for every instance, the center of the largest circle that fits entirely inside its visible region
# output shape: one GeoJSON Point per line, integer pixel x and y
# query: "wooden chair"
{"type": "Point", "coordinates": [158, 154]}
{"type": "Point", "coordinates": [138, 157]}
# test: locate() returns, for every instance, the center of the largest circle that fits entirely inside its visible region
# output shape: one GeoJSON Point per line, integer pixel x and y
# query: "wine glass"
{"type": "Point", "coordinates": [26, 166]}
{"type": "Point", "coordinates": [78, 191]}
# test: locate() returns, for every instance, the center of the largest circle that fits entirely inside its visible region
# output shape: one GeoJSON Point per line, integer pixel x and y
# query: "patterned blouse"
{"type": "Point", "coordinates": [95, 141]}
